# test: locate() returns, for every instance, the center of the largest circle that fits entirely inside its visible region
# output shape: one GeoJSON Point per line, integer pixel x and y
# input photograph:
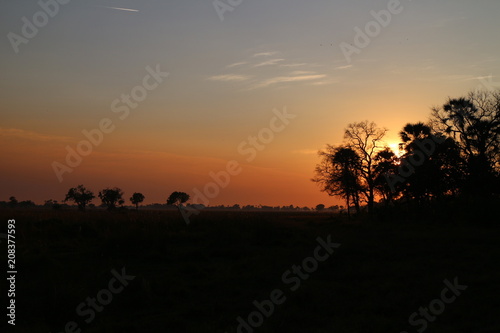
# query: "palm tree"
{"type": "Point", "coordinates": [474, 123]}
{"type": "Point", "coordinates": [386, 162]}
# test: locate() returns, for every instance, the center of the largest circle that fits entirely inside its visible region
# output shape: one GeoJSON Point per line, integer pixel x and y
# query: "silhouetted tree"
{"type": "Point", "coordinates": [385, 161]}
{"type": "Point", "coordinates": [110, 197]}
{"type": "Point", "coordinates": [320, 207]}
{"type": "Point", "coordinates": [13, 202]}
{"type": "Point", "coordinates": [79, 195]}
{"type": "Point", "coordinates": [474, 123]}
{"type": "Point", "coordinates": [49, 203]}
{"type": "Point", "coordinates": [434, 161]}
{"type": "Point", "coordinates": [136, 199]}
{"type": "Point", "coordinates": [52, 204]}
{"type": "Point", "coordinates": [177, 198]}
{"type": "Point", "coordinates": [338, 174]}
{"type": "Point", "coordinates": [26, 204]}
{"type": "Point", "coordinates": [424, 174]}
{"type": "Point", "coordinates": [365, 138]}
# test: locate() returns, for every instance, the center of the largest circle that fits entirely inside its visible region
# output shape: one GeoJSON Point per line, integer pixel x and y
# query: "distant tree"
{"type": "Point", "coordinates": [13, 202]}
{"type": "Point", "coordinates": [320, 207]}
{"type": "Point", "coordinates": [26, 204]}
{"type": "Point", "coordinates": [136, 199]}
{"type": "Point", "coordinates": [177, 198]}
{"type": "Point", "coordinates": [49, 203]}
{"type": "Point", "coordinates": [54, 204]}
{"type": "Point", "coordinates": [79, 195]}
{"type": "Point", "coordinates": [365, 138]}
{"type": "Point", "coordinates": [110, 197]}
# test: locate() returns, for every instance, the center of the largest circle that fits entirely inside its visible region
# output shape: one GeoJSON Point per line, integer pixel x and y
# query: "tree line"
{"type": "Point", "coordinates": [453, 155]}
{"type": "Point", "coordinates": [111, 198]}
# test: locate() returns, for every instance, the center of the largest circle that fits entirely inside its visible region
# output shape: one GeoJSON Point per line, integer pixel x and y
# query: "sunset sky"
{"type": "Point", "coordinates": [225, 78]}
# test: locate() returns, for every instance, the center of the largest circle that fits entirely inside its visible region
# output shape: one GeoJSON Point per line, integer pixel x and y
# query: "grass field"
{"type": "Point", "coordinates": [202, 277]}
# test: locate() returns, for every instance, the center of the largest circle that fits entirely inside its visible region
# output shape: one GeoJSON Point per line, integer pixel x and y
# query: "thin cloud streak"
{"type": "Point", "coordinates": [236, 64]}
{"type": "Point", "coordinates": [229, 77]}
{"type": "Point", "coordinates": [123, 9]}
{"type": "Point", "coordinates": [264, 54]}
{"type": "Point", "coordinates": [302, 72]}
{"type": "Point", "coordinates": [343, 67]}
{"type": "Point", "coordinates": [294, 65]}
{"type": "Point", "coordinates": [29, 135]}
{"type": "Point", "coordinates": [282, 79]}
{"type": "Point", "coordinates": [269, 62]}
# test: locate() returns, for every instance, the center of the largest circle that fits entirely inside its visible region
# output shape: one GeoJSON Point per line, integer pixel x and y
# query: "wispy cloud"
{"type": "Point", "coordinates": [236, 64]}
{"type": "Point", "coordinates": [301, 72]}
{"type": "Point", "coordinates": [450, 77]}
{"type": "Point", "coordinates": [257, 71]}
{"type": "Point", "coordinates": [119, 8]}
{"type": "Point", "coordinates": [264, 54]}
{"type": "Point", "coordinates": [479, 78]}
{"type": "Point", "coordinates": [323, 82]}
{"type": "Point", "coordinates": [294, 65]}
{"type": "Point", "coordinates": [229, 77]}
{"type": "Point", "coordinates": [343, 67]}
{"type": "Point", "coordinates": [283, 79]}
{"type": "Point", "coordinates": [29, 135]}
{"type": "Point", "coordinates": [269, 62]}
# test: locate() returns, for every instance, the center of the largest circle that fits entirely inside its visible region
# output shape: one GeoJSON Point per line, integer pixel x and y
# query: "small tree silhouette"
{"type": "Point", "coordinates": [13, 202]}
{"type": "Point", "coordinates": [177, 198]}
{"type": "Point", "coordinates": [320, 207]}
{"type": "Point", "coordinates": [136, 199]}
{"type": "Point", "coordinates": [111, 196]}
{"type": "Point", "coordinates": [80, 195]}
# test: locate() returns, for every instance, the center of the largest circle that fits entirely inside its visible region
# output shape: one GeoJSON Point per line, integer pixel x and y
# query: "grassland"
{"type": "Point", "coordinates": [202, 277]}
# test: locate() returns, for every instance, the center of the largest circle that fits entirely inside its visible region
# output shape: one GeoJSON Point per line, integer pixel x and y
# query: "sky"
{"type": "Point", "coordinates": [174, 91]}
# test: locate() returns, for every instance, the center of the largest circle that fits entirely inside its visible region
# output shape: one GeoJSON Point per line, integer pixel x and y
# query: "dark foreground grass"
{"type": "Point", "coordinates": [203, 277]}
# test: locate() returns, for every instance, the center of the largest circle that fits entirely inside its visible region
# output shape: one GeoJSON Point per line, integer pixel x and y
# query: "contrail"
{"type": "Point", "coordinates": [118, 8]}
